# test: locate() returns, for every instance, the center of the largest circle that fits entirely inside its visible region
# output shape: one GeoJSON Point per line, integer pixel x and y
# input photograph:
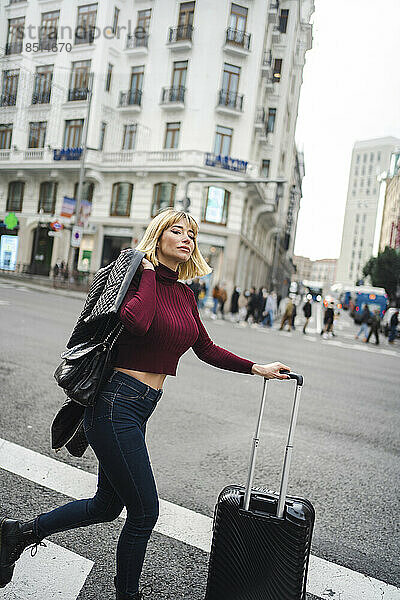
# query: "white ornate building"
{"type": "Point", "coordinates": [181, 91]}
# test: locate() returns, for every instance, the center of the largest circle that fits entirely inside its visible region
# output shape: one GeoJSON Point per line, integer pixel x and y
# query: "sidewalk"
{"type": "Point", "coordinates": [40, 284]}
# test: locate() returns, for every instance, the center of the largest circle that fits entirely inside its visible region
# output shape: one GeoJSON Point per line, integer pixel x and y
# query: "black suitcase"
{"type": "Point", "coordinates": [261, 540]}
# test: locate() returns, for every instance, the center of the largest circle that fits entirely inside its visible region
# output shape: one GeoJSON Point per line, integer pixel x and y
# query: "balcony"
{"type": "Point", "coordinates": [237, 42]}
{"type": "Point", "coordinates": [5, 154]}
{"type": "Point", "coordinates": [41, 97]}
{"type": "Point", "coordinates": [259, 121]}
{"type": "Point", "coordinates": [8, 99]}
{"type": "Point", "coordinates": [14, 47]}
{"type": "Point", "coordinates": [270, 83]}
{"type": "Point", "coordinates": [174, 97]}
{"type": "Point", "coordinates": [225, 162]}
{"type": "Point", "coordinates": [137, 44]}
{"type": "Point", "coordinates": [132, 99]}
{"type": "Point", "coordinates": [230, 103]}
{"type": "Point", "coordinates": [276, 36]}
{"type": "Point", "coordinates": [180, 38]}
{"type": "Point", "coordinates": [34, 154]}
{"type": "Point", "coordinates": [77, 94]}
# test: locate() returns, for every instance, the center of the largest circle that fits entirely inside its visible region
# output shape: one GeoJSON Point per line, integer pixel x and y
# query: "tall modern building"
{"type": "Point", "coordinates": [182, 92]}
{"type": "Point", "coordinates": [370, 158]}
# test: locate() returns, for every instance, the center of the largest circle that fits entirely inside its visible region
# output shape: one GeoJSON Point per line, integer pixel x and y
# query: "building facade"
{"type": "Point", "coordinates": [322, 270]}
{"type": "Point", "coordinates": [169, 98]}
{"type": "Point", "coordinates": [390, 229]}
{"type": "Point", "coordinates": [369, 160]}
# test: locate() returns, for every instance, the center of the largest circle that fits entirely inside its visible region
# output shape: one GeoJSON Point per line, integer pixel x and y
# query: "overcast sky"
{"type": "Point", "coordinates": [351, 91]}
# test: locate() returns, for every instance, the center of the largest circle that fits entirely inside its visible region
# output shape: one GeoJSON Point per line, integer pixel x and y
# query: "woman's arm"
{"type": "Point", "coordinates": [214, 355]}
{"type": "Point", "coordinates": [139, 305]}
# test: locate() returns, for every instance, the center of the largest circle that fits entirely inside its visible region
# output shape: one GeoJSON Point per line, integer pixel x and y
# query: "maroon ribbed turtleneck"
{"type": "Point", "coordinates": [162, 322]}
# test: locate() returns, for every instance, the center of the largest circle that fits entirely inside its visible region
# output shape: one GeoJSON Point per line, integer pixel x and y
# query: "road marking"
{"type": "Point", "coordinates": [55, 573]}
{"type": "Point", "coordinates": [325, 579]}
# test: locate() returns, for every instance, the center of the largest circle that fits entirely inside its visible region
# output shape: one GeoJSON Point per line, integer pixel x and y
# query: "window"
{"type": "Point", "coordinates": [364, 158]}
{"type": "Point", "coordinates": [141, 33]}
{"type": "Point", "coordinates": [362, 230]}
{"type": "Point", "coordinates": [172, 131]}
{"type": "Point", "coordinates": [87, 191]}
{"type": "Point", "coordinates": [354, 242]}
{"type": "Point", "coordinates": [73, 133]}
{"type": "Point", "coordinates": [378, 156]}
{"type": "Point", "coordinates": [216, 207]}
{"type": "Point", "coordinates": [136, 83]}
{"type": "Point", "coordinates": [353, 193]}
{"type": "Point", "coordinates": [15, 35]}
{"type": "Point", "coordinates": [115, 20]}
{"type": "Point", "coordinates": [5, 136]}
{"type": "Point", "coordinates": [103, 128]}
{"type": "Point", "coordinates": [79, 80]}
{"type": "Point", "coordinates": [47, 197]}
{"type": "Point", "coordinates": [37, 134]}
{"type": "Point", "coordinates": [283, 20]}
{"type": "Point", "coordinates": [358, 158]}
{"type": "Point", "coordinates": [271, 120]}
{"type": "Point", "coordinates": [361, 183]}
{"type": "Point", "coordinates": [361, 242]}
{"type": "Point", "coordinates": [179, 72]}
{"type": "Point", "coordinates": [282, 161]}
{"type": "Point", "coordinates": [121, 199]}
{"type": "Point", "coordinates": [15, 196]}
{"type": "Point", "coordinates": [186, 14]}
{"type": "Point", "coordinates": [129, 138]}
{"type": "Point", "coordinates": [185, 21]}
{"type": "Point", "coordinates": [370, 169]}
{"type": "Point", "coordinates": [363, 170]}
{"type": "Point", "coordinates": [351, 266]}
{"type": "Point", "coordinates": [49, 30]}
{"type": "Point", "coordinates": [353, 254]}
{"type": "Point", "coordinates": [357, 218]}
{"type": "Point", "coordinates": [238, 18]}
{"type": "Point", "coordinates": [42, 84]}
{"type": "Point", "coordinates": [108, 77]}
{"type": "Point", "coordinates": [277, 70]}
{"type": "Point", "coordinates": [364, 218]}
{"type": "Point", "coordinates": [163, 197]}
{"type": "Point", "coordinates": [265, 164]}
{"type": "Point", "coordinates": [371, 157]}
{"type": "Point", "coordinates": [223, 140]}
{"type": "Point", "coordinates": [10, 87]}
{"type": "Point", "coordinates": [356, 171]}
{"type": "Point", "coordinates": [84, 32]}
{"type": "Point", "coordinates": [230, 78]}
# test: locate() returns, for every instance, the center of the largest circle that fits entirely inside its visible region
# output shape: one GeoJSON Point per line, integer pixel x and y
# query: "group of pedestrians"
{"type": "Point", "coordinates": [373, 321]}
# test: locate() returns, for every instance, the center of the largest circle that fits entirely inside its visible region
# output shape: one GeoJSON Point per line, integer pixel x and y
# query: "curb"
{"type": "Point", "coordinates": [43, 288]}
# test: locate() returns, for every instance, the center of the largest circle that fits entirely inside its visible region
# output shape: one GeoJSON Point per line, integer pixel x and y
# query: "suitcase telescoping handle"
{"type": "Point", "coordinates": [289, 445]}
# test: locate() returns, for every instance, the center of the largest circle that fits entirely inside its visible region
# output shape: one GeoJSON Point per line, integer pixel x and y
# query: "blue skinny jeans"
{"type": "Point", "coordinates": [115, 428]}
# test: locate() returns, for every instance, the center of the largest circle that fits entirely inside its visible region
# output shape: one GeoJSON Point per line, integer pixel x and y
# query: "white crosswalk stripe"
{"type": "Point", "coordinates": [325, 579]}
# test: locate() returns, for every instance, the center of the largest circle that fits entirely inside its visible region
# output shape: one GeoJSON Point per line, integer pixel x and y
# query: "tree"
{"type": "Point", "coordinates": [384, 271]}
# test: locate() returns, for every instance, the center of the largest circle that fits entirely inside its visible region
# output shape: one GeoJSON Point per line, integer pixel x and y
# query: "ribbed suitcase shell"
{"type": "Point", "coordinates": [255, 555]}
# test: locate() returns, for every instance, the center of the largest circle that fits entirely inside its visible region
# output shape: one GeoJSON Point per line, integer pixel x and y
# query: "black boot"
{"type": "Point", "coordinates": [138, 596]}
{"type": "Point", "coordinates": [15, 536]}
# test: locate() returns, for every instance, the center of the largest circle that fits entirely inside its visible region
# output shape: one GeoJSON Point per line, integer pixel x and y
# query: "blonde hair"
{"type": "Point", "coordinates": [196, 266]}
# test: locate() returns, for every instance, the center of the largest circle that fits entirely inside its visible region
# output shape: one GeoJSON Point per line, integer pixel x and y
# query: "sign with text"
{"type": "Point", "coordinates": [8, 252]}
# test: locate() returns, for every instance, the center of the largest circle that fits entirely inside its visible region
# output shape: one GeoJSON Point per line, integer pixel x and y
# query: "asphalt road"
{"type": "Point", "coordinates": [199, 438]}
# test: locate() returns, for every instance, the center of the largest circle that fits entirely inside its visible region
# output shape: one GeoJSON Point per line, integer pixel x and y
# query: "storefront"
{"type": "Point", "coordinates": [42, 250]}
{"type": "Point", "coordinates": [115, 239]}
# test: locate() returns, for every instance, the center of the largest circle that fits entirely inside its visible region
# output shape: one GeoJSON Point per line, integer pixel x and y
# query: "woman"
{"type": "Point", "coordinates": [161, 322]}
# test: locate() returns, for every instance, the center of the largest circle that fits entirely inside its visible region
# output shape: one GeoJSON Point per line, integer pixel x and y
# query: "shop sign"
{"type": "Point", "coordinates": [8, 252]}
{"type": "Point", "coordinates": [56, 226]}
{"type": "Point", "coordinates": [76, 236]}
{"type": "Point", "coordinates": [11, 221]}
{"type": "Point", "coordinates": [225, 162]}
{"type": "Point", "coordinates": [67, 153]}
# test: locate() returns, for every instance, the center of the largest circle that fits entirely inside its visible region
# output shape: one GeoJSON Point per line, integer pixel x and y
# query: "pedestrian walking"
{"type": "Point", "coordinates": [160, 323]}
{"type": "Point", "coordinates": [195, 287]}
{"type": "Point", "coordinates": [215, 296]}
{"type": "Point", "coordinates": [234, 307]}
{"type": "Point", "coordinates": [287, 315]}
{"type": "Point", "coordinates": [252, 304]}
{"type": "Point", "coordinates": [202, 294]}
{"type": "Point", "coordinates": [394, 321]}
{"type": "Point", "coordinates": [375, 324]}
{"type": "Point", "coordinates": [242, 304]}
{"type": "Point", "coordinates": [260, 305]}
{"type": "Point", "coordinates": [222, 298]}
{"type": "Point", "coordinates": [270, 310]}
{"type": "Point", "coordinates": [365, 321]}
{"type": "Point", "coordinates": [329, 317]}
{"type": "Point", "coordinates": [307, 314]}
{"type": "Point", "coordinates": [294, 314]}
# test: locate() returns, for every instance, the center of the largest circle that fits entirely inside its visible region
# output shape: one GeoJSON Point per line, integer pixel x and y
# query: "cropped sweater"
{"type": "Point", "coordinates": [162, 322]}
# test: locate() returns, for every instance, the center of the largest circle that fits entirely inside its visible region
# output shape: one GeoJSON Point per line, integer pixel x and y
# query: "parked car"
{"type": "Point", "coordinates": [385, 322]}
